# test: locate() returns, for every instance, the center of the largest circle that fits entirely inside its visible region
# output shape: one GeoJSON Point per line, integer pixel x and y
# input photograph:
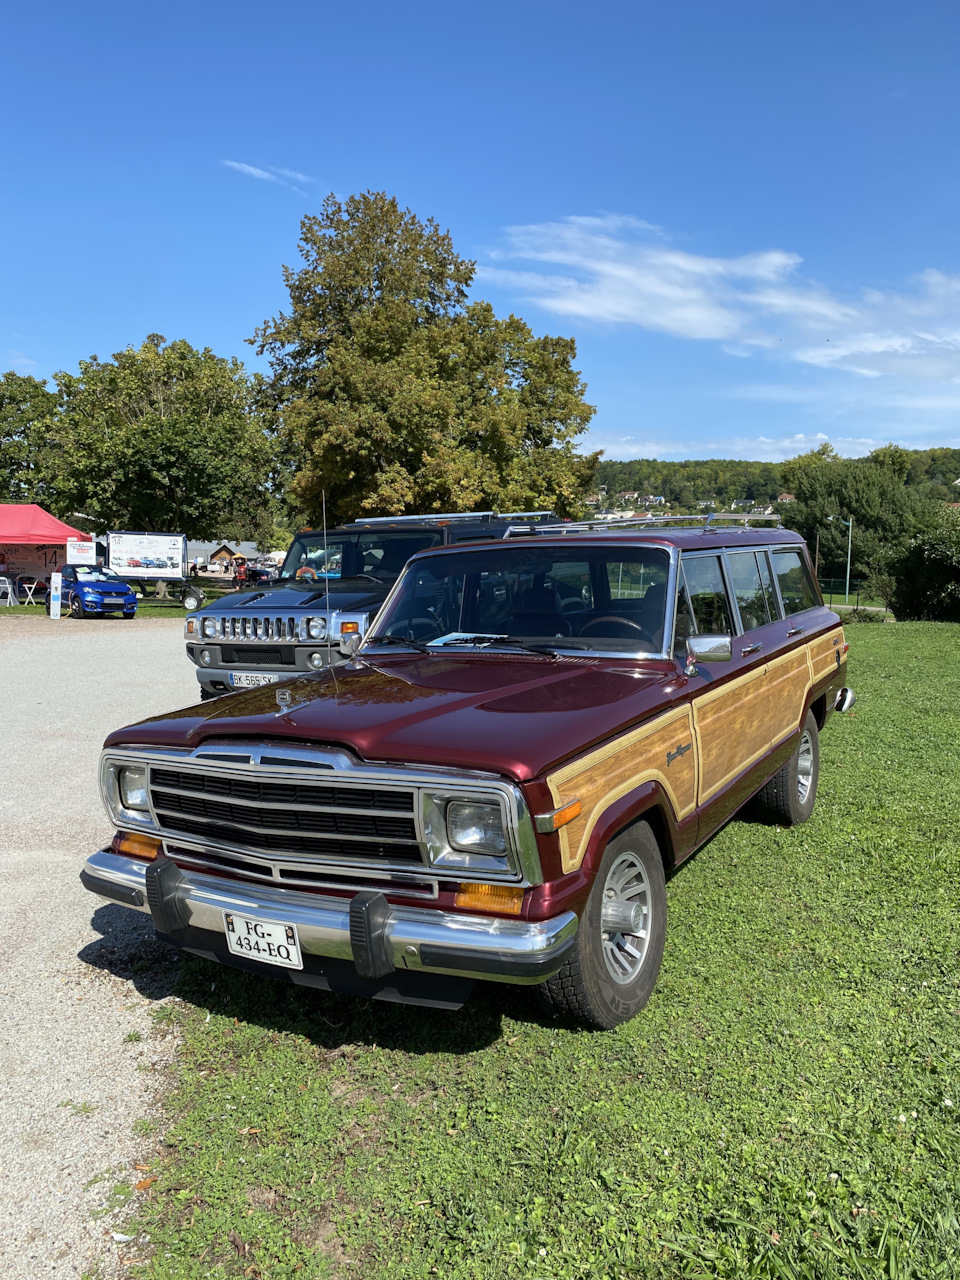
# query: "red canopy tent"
{"type": "Point", "coordinates": [26, 524]}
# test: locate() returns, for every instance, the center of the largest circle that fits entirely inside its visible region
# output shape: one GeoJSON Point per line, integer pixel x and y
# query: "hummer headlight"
{"type": "Point", "coordinates": [316, 628]}
{"type": "Point", "coordinates": [208, 627]}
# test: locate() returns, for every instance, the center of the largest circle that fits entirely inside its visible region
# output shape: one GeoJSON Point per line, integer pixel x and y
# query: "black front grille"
{"type": "Point", "coordinates": [311, 820]}
{"type": "Point", "coordinates": [347, 823]}
{"type": "Point", "coordinates": [259, 657]}
{"type": "Point", "coordinates": [282, 842]}
{"type": "Point", "coordinates": [282, 792]}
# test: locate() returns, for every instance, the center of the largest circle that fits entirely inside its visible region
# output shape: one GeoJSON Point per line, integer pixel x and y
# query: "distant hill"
{"type": "Point", "coordinates": [729, 480]}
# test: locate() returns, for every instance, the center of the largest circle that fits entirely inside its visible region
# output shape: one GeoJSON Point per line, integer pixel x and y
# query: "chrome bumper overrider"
{"type": "Point", "coordinates": [405, 938]}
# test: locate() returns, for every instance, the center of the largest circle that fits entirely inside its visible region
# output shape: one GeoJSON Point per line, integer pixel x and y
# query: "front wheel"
{"type": "Point", "coordinates": [76, 608]}
{"type": "Point", "coordinates": [613, 967]}
{"type": "Point", "coordinates": [207, 694]}
{"type": "Point", "coordinates": [788, 798]}
{"type": "Point", "coordinates": [191, 601]}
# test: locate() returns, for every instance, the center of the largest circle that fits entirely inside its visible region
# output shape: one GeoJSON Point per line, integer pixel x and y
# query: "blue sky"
{"type": "Point", "coordinates": [745, 214]}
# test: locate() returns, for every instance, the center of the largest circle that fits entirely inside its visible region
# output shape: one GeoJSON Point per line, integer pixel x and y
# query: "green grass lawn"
{"type": "Point", "coordinates": [785, 1107]}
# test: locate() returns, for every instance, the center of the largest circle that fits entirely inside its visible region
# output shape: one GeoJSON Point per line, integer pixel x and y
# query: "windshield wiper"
{"type": "Point", "coordinates": [408, 644]}
{"type": "Point", "coordinates": [487, 641]}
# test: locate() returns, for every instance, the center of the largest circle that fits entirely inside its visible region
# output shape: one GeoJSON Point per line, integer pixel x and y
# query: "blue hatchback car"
{"type": "Point", "coordinates": [92, 592]}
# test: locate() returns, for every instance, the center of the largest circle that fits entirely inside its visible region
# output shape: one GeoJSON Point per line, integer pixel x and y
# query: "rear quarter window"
{"type": "Point", "coordinates": [796, 585]}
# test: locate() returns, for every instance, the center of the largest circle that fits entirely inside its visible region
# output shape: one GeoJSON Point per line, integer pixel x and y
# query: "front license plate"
{"type": "Point", "coordinates": [263, 940]}
{"type": "Point", "coordinates": [114, 602]}
{"type": "Point", "coordinates": [251, 679]}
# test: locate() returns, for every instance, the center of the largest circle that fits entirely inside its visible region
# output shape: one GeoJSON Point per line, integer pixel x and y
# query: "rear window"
{"type": "Point", "coordinates": [796, 586]}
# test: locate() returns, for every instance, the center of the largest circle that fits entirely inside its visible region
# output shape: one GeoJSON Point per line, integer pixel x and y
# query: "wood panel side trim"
{"type": "Point", "coordinates": [621, 766]}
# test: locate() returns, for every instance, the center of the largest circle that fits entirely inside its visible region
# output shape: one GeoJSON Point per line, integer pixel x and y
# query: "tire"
{"type": "Point", "coordinates": [191, 601]}
{"type": "Point", "coordinates": [206, 695]}
{"type": "Point", "coordinates": [76, 608]}
{"type": "Point", "coordinates": [602, 984]}
{"type": "Point", "coordinates": [128, 615]}
{"type": "Point", "coordinates": [788, 798]}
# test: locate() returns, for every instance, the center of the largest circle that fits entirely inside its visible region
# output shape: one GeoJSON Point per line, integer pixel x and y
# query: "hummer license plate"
{"type": "Point", "coordinates": [251, 679]}
{"type": "Point", "coordinates": [263, 940]}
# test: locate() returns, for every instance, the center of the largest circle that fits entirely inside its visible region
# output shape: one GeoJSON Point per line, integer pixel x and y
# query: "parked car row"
{"type": "Point", "coordinates": [502, 752]}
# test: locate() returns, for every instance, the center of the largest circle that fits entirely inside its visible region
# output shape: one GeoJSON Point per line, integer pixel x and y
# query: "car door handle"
{"type": "Point", "coordinates": [751, 648]}
{"type": "Point", "coordinates": [795, 631]}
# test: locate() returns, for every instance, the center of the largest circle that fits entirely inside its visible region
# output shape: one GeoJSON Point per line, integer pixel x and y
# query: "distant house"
{"type": "Point", "coordinates": [627, 497]}
{"type": "Point", "coordinates": [653, 500]}
{"type": "Point", "coordinates": [786, 497]}
{"type": "Point", "coordinates": [220, 552]}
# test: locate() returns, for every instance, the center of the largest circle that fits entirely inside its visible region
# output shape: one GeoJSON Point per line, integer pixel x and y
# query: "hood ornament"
{"type": "Point", "coordinates": [284, 698]}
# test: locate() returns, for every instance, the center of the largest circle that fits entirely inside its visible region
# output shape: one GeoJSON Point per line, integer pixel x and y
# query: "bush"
{"type": "Point", "coordinates": [928, 573]}
{"type": "Point", "coordinates": [865, 615]}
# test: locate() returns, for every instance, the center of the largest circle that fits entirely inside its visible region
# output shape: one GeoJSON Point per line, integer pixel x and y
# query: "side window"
{"type": "Point", "coordinates": [572, 585]}
{"type": "Point", "coordinates": [748, 588]}
{"type": "Point", "coordinates": [68, 574]}
{"type": "Point", "coordinates": [796, 588]}
{"type": "Point", "coordinates": [708, 595]}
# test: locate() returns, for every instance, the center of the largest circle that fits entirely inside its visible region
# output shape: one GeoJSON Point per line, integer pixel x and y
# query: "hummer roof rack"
{"type": "Point", "coordinates": [632, 522]}
{"type": "Point", "coordinates": [433, 517]}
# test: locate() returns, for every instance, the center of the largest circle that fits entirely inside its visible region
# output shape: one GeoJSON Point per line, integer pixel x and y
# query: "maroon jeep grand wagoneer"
{"type": "Point", "coordinates": [532, 735]}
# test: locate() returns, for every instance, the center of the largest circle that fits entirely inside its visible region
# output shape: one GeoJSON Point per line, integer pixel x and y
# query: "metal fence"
{"type": "Point", "coordinates": [834, 590]}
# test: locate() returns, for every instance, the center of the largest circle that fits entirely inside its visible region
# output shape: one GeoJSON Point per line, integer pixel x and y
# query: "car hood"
{"type": "Point", "coordinates": [288, 595]}
{"type": "Point", "coordinates": [108, 588]}
{"type": "Point", "coordinates": [514, 715]}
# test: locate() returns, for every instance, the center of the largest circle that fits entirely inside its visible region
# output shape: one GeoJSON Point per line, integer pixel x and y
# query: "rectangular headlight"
{"type": "Point", "coordinates": [132, 784]}
{"type": "Point", "coordinates": [476, 828]}
{"type": "Point", "coordinates": [125, 792]}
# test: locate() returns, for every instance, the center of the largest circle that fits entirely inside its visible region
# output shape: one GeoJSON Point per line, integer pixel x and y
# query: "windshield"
{"type": "Point", "coordinates": [85, 573]}
{"type": "Point", "coordinates": [606, 599]}
{"type": "Point", "coordinates": [355, 555]}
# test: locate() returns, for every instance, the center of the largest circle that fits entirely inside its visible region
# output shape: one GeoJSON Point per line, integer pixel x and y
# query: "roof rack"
{"type": "Point", "coordinates": [481, 516]}
{"type": "Point", "coordinates": [632, 522]}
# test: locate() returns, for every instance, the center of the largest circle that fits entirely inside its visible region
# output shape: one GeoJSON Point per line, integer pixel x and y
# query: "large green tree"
{"type": "Point", "coordinates": [163, 437]}
{"type": "Point", "coordinates": [27, 411]}
{"type": "Point", "coordinates": [397, 395]}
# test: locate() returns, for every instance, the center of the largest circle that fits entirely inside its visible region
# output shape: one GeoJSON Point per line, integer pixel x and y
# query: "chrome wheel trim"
{"type": "Point", "coordinates": [627, 886]}
{"type": "Point", "coordinates": [804, 766]}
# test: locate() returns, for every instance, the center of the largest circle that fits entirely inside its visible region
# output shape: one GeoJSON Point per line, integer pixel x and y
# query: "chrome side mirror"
{"type": "Point", "coordinates": [350, 644]}
{"type": "Point", "coordinates": [707, 649]}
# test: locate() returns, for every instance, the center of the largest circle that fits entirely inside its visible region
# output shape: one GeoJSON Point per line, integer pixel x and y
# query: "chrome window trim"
{"type": "Point", "coordinates": [523, 859]}
{"type": "Point", "coordinates": [666, 653]}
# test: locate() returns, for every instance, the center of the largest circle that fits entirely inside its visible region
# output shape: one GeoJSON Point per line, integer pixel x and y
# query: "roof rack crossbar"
{"type": "Point", "coordinates": [433, 515]}
{"type": "Point", "coordinates": [647, 522]}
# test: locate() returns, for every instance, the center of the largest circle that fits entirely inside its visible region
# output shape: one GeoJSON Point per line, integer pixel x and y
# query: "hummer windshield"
{"type": "Point", "coordinates": [600, 599]}
{"type": "Point", "coordinates": [376, 555]}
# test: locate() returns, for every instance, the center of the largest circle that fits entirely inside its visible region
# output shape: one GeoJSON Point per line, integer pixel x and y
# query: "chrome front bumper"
{"type": "Point", "coordinates": [367, 931]}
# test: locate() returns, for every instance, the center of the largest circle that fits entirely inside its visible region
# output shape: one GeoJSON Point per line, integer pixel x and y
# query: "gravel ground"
{"type": "Point", "coordinates": [77, 975]}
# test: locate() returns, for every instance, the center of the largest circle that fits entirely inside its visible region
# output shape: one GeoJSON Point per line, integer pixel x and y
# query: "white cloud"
{"type": "Point", "coordinates": [20, 363]}
{"type": "Point", "coordinates": [251, 171]}
{"type": "Point", "coordinates": [616, 269]}
{"type": "Point", "coordinates": [292, 173]}
{"type": "Point", "coordinates": [270, 174]}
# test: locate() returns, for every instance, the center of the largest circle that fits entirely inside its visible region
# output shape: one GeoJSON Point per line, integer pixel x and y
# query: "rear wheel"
{"type": "Point", "coordinates": [788, 798]}
{"type": "Point", "coordinates": [612, 970]}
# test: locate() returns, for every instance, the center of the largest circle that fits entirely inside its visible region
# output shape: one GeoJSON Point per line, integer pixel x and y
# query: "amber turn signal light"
{"type": "Point", "coordinates": [136, 846]}
{"type": "Point", "coordinates": [503, 898]}
{"type": "Point", "coordinates": [547, 822]}
{"type": "Point", "coordinates": [349, 628]}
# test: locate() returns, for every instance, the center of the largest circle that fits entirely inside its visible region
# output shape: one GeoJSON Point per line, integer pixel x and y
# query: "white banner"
{"type": "Point", "coordinates": [30, 561]}
{"type": "Point", "coordinates": [81, 552]}
{"type": "Point", "coordinates": [147, 555]}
